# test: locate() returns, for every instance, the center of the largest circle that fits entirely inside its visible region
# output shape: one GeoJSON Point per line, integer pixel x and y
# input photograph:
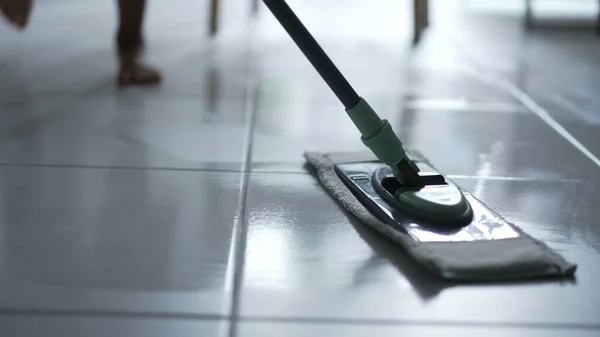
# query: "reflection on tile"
{"type": "Point", "coordinates": [562, 214]}
{"type": "Point", "coordinates": [17, 113]}
{"type": "Point", "coordinates": [311, 260]}
{"type": "Point", "coordinates": [117, 240]}
{"type": "Point", "coordinates": [131, 132]}
{"type": "Point", "coordinates": [255, 329]}
{"type": "Point", "coordinates": [375, 71]}
{"type": "Point", "coordinates": [473, 143]}
{"type": "Point", "coordinates": [201, 72]}
{"type": "Point", "coordinates": [281, 63]}
{"type": "Point", "coordinates": [87, 68]}
{"type": "Point", "coordinates": [492, 144]}
{"type": "Point", "coordinates": [25, 326]}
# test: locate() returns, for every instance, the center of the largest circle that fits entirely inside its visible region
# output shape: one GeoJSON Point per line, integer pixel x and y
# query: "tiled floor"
{"type": "Point", "coordinates": [185, 210]}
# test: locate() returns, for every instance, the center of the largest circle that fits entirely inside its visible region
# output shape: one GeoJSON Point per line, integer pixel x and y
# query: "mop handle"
{"type": "Point", "coordinates": [313, 52]}
{"type": "Point", "coordinates": [377, 134]}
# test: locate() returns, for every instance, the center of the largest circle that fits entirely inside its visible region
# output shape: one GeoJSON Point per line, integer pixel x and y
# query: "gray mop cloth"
{"type": "Point", "coordinates": [493, 260]}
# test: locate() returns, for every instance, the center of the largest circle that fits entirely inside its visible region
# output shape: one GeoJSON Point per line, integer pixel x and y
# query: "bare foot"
{"type": "Point", "coordinates": [132, 72]}
{"type": "Point", "coordinates": [138, 74]}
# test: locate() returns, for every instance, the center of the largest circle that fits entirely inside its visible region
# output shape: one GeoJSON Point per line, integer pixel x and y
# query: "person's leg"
{"type": "Point", "coordinates": [130, 43]}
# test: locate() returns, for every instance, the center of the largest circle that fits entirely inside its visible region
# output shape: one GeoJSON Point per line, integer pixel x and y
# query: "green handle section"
{"type": "Point", "coordinates": [365, 119]}
{"type": "Point", "coordinates": [377, 134]}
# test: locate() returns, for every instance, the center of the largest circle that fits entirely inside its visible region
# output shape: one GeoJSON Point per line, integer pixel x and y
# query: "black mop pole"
{"type": "Point", "coordinates": [377, 134]}
{"type": "Point", "coordinates": [313, 52]}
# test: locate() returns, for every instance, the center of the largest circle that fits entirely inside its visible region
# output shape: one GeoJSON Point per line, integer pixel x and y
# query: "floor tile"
{"type": "Point", "coordinates": [132, 131]}
{"type": "Point", "coordinates": [154, 246]}
{"type": "Point", "coordinates": [313, 261]}
{"type": "Point", "coordinates": [252, 329]}
{"type": "Point", "coordinates": [577, 109]}
{"type": "Point", "coordinates": [211, 71]}
{"type": "Point", "coordinates": [116, 240]}
{"type": "Point", "coordinates": [15, 113]}
{"type": "Point", "coordinates": [472, 143]}
{"type": "Point", "coordinates": [22, 326]}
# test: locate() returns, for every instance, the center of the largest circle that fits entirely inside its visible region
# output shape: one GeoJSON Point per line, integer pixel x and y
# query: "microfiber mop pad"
{"type": "Point", "coordinates": [517, 258]}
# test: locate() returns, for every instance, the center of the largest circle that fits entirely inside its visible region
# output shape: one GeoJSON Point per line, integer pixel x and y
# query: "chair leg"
{"type": "Point", "coordinates": [420, 18]}
{"type": "Point", "coordinates": [528, 13]}
{"type": "Point", "coordinates": [214, 17]}
{"type": "Point", "coordinates": [425, 8]}
{"type": "Point", "coordinates": [255, 5]}
{"type": "Point", "coordinates": [598, 20]}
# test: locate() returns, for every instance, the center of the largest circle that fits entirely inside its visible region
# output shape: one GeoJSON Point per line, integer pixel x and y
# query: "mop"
{"type": "Point", "coordinates": [400, 194]}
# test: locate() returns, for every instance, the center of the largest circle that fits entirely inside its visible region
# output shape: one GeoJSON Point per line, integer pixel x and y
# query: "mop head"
{"type": "Point", "coordinates": [518, 258]}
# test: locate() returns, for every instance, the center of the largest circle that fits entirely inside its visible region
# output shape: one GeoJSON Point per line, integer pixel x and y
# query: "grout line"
{"type": "Point", "coordinates": [109, 314]}
{"type": "Point", "coordinates": [457, 105]}
{"type": "Point", "coordinates": [240, 229]}
{"type": "Point", "coordinates": [402, 322]}
{"type": "Point", "coordinates": [117, 314]}
{"type": "Point", "coordinates": [117, 94]}
{"type": "Point", "coordinates": [236, 258]}
{"type": "Point", "coordinates": [261, 171]}
{"type": "Point", "coordinates": [245, 168]}
{"type": "Point", "coordinates": [509, 178]}
{"type": "Point", "coordinates": [450, 176]}
{"type": "Point", "coordinates": [108, 167]}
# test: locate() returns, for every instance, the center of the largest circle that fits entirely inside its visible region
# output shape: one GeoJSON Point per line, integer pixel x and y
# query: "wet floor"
{"type": "Point", "coordinates": [186, 210]}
